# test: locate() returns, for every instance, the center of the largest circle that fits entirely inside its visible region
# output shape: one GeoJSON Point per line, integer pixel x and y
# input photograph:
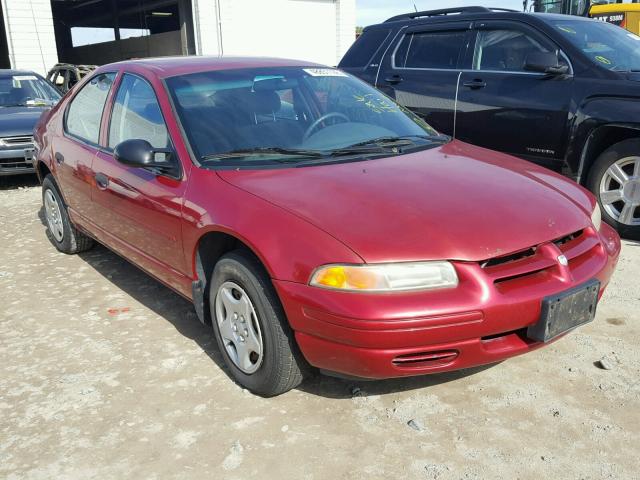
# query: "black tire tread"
{"type": "Point", "coordinates": [290, 371]}
{"type": "Point", "coordinates": [75, 241]}
{"type": "Point", "coordinates": [628, 147]}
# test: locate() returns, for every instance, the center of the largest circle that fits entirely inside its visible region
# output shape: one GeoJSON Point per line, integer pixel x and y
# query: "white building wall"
{"type": "Point", "coordinates": [30, 36]}
{"type": "Point", "coordinates": [346, 26]}
{"type": "Point", "coordinates": [315, 30]}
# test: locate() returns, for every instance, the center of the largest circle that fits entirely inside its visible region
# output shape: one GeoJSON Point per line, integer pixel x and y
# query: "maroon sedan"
{"type": "Point", "coordinates": [312, 221]}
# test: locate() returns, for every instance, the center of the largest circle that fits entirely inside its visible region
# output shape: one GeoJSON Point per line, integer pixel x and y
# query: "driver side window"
{"type": "Point", "coordinates": [137, 115]}
{"type": "Point", "coordinates": [504, 50]}
{"type": "Point", "coordinates": [85, 110]}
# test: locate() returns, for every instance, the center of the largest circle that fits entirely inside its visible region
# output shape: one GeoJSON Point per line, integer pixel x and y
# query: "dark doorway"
{"type": "Point", "coordinates": [104, 31]}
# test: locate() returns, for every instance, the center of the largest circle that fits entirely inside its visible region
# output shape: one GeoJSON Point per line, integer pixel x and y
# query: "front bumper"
{"type": "Point", "coordinates": [482, 321]}
{"type": "Point", "coordinates": [16, 161]}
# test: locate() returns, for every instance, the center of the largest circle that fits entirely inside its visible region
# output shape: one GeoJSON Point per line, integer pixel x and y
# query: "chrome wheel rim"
{"type": "Point", "coordinates": [239, 327]}
{"type": "Point", "coordinates": [54, 218]}
{"type": "Point", "coordinates": [620, 191]}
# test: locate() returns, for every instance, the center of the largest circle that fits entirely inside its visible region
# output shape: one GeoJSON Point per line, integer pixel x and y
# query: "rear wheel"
{"type": "Point", "coordinates": [61, 232]}
{"type": "Point", "coordinates": [250, 327]}
{"type": "Point", "coordinates": [615, 180]}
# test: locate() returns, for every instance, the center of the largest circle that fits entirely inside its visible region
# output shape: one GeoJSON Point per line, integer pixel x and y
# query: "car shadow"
{"type": "Point", "coordinates": [14, 182]}
{"type": "Point", "coordinates": [167, 304]}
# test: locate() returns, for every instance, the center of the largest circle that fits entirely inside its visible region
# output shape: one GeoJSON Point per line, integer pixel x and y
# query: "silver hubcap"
{"type": "Point", "coordinates": [239, 328]}
{"type": "Point", "coordinates": [54, 219]}
{"type": "Point", "coordinates": [620, 191]}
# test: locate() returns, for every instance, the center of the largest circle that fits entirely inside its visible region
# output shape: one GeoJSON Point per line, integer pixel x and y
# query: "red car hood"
{"type": "Point", "coordinates": [456, 202]}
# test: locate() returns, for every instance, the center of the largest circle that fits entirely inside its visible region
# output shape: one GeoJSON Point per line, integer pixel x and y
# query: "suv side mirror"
{"type": "Point", "coordinates": [544, 62]}
{"type": "Point", "coordinates": [140, 153]}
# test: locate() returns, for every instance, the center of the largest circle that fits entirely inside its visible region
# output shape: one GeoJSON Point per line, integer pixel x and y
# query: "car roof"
{"type": "Point", "coordinates": [163, 67]}
{"type": "Point", "coordinates": [4, 71]}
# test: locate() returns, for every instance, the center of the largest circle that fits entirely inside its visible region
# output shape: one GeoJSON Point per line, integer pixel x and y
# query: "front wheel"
{"type": "Point", "coordinates": [615, 180]}
{"type": "Point", "coordinates": [250, 327]}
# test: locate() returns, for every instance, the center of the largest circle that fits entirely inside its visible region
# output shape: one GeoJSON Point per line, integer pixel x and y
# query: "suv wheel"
{"type": "Point", "coordinates": [615, 180]}
{"type": "Point", "coordinates": [250, 327]}
{"type": "Point", "coordinates": [62, 233]}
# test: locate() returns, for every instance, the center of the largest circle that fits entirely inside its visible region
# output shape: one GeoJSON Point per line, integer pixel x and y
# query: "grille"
{"type": "Point", "coordinates": [539, 259]}
{"type": "Point", "coordinates": [14, 163]}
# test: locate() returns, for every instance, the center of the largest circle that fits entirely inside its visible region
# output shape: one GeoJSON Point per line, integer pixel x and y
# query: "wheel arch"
{"type": "Point", "coordinates": [212, 245]}
{"type": "Point", "coordinates": [42, 170]}
{"type": "Point", "coordinates": [599, 140]}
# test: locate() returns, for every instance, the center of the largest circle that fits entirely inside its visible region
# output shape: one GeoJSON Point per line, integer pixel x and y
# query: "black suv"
{"type": "Point", "coordinates": [561, 91]}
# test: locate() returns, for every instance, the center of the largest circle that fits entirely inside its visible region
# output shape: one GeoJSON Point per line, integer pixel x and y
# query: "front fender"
{"type": "Point", "coordinates": [595, 115]}
{"type": "Point", "coordinates": [289, 247]}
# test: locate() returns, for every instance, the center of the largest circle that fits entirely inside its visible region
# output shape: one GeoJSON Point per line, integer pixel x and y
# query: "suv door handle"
{"type": "Point", "coordinates": [393, 79]}
{"type": "Point", "coordinates": [102, 181]}
{"type": "Point", "coordinates": [59, 158]}
{"type": "Point", "coordinates": [475, 84]}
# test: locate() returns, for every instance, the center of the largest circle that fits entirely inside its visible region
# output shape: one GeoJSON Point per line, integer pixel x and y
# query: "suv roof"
{"type": "Point", "coordinates": [446, 11]}
{"type": "Point", "coordinates": [473, 12]}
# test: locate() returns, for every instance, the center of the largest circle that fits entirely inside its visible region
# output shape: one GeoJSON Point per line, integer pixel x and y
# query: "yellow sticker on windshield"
{"type": "Point", "coordinates": [566, 29]}
{"type": "Point", "coordinates": [375, 103]}
{"type": "Point", "coordinates": [602, 59]}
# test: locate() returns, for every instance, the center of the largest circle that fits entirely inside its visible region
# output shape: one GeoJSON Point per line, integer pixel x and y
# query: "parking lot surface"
{"type": "Point", "coordinates": [107, 374]}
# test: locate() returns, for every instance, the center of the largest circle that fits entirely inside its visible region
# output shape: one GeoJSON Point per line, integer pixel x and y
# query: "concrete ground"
{"type": "Point", "coordinates": [106, 374]}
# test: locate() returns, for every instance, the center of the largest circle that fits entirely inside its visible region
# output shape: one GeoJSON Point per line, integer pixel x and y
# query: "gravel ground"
{"type": "Point", "coordinates": [106, 374]}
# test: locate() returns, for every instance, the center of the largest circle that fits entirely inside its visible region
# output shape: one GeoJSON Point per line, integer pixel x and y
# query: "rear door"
{"type": "Point", "coordinates": [75, 150]}
{"type": "Point", "coordinates": [140, 209]}
{"type": "Point", "coordinates": [503, 107]}
{"type": "Point", "coordinates": [421, 71]}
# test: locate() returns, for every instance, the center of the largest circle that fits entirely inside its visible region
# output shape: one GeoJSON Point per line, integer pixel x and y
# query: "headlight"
{"type": "Point", "coordinates": [386, 277]}
{"type": "Point", "coordinates": [596, 217]}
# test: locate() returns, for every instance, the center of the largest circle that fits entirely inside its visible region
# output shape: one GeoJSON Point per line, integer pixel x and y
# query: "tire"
{"type": "Point", "coordinates": [60, 231]}
{"type": "Point", "coordinates": [271, 365]}
{"type": "Point", "coordinates": [622, 214]}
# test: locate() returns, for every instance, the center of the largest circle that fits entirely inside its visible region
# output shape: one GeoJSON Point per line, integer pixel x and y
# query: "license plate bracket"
{"type": "Point", "coordinates": [565, 311]}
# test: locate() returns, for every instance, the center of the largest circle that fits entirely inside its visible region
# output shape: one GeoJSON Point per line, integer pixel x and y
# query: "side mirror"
{"type": "Point", "coordinates": [544, 62]}
{"type": "Point", "coordinates": [140, 153]}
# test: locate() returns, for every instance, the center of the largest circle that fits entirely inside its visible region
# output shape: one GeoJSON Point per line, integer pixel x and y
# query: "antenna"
{"type": "Point", "coordinates": [414, 7]}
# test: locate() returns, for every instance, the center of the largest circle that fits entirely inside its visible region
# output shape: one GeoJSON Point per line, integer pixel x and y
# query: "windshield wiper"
{"type": "Point", "coordinates": [381, 144]}
{"type": "Point", "coordinates": [247, 152]}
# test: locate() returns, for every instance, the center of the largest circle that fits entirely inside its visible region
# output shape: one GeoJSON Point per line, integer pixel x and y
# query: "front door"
{"type": "Point", "coordinates": [421, 71]}
{"type": "Point", "coordinates": [140, 208]}
{"type": "Point", "coordinates": [504, 107]}
{"type": "Point", "coordinates": [75, 150]}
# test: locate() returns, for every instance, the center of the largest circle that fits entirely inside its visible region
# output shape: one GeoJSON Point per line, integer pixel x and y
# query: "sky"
{"type": "Point", "coordinates": [376, 11]}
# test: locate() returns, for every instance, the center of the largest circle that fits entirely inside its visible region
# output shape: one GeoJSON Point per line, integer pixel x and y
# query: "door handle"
{"type": "Point", "coordinates": [475, 84]}
{"type": "Point", "coordinates": [59, 158]}
{"type": "Point", "coordinates": [102, 181]}
{"type": "Point", "coordinates": [393, 79]}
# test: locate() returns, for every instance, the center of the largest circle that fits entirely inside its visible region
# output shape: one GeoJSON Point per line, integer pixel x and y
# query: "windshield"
{"type": "Point", "coordinates": [26, 91]}
{"type": "Point", "coordinates": [606, 45]}
{"type": "Point", "coordinates": [246, 117]}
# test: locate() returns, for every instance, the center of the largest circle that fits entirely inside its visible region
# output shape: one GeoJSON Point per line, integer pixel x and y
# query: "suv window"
{"type": "Point", "coordinates": [85, 110]}
{"type": "Point", "coordinates": [504, 50]}
{"type": "Point", "coordinates": [365, 48]}
{"type": "Point", "coordinates": [439, 50]}
{"type": "Point", "coordinates": [136, 114]}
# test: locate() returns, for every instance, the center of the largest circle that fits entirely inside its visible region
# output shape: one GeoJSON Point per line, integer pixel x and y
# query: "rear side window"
{"type": "Point", "coordinates": [85, 110]}
{"type": "Point", "coordinates": [439, 50]}
{"type": "Point", "coordinates": [365, 48]}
